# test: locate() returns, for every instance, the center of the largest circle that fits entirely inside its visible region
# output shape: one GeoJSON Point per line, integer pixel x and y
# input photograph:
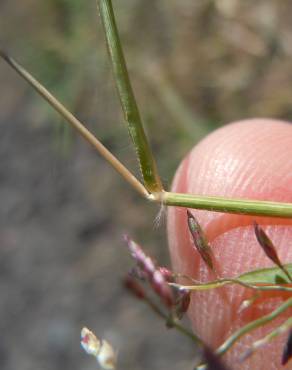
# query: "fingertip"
{"type": "Point", "coordinates": [248, 159]}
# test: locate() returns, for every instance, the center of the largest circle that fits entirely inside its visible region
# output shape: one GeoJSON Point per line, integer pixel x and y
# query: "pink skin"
{"type": "Point", "coordinates": [248, 159]}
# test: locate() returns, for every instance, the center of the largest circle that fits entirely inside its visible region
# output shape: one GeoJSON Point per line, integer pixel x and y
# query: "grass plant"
{"type": "Point", "coordinates": [151, 188]}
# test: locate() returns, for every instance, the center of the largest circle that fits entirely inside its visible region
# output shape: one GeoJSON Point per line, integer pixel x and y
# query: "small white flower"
{"type": "Point", "coordinates": [89, 342]}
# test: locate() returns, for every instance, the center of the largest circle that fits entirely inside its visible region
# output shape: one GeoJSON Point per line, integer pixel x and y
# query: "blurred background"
{"type": "Point", "coordinates": [195, 65]}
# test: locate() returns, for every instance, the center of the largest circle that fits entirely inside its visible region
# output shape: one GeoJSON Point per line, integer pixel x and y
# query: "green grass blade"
{"type": "Point", "coordinates": [128, 101]}
{"type": "Point", "coordinates": [273, 275]}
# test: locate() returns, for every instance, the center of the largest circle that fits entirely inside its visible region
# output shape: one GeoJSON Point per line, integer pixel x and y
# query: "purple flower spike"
{"type": "Point", "coordinates": [151, 272]}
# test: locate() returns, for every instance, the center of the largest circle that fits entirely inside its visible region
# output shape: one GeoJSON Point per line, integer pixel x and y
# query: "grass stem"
{"type": "Point", "coordinates": [211, 203]}
{"type": "Point", "coordinates": [70, 118]}
{"type": "Point", "coordinates": [172, 322]}
{"type": "Point", "coordinates": [252, 326]}
{"type": "Point", "coordinates": [226, 205]}
{"type": "Point", "coordinates": [129, 105]}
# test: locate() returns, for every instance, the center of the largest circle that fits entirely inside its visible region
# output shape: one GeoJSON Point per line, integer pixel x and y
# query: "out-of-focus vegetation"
{"type": "Point", "coordinates": [195, 65]}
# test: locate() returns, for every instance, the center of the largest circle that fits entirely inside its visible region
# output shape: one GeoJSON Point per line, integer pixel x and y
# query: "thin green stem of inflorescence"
{"type": "Point", "coordinates": [253, 325]}
{"type": "Point", "coordinates": [152, 188]}
{"type": "Point", "coordinates": [173, 322]}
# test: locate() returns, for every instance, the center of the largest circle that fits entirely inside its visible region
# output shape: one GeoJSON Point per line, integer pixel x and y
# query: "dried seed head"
{"type": "Point", "coordinates": [200, 240]}
{"type": "Point", "coordinates": [107, 357]}
{"type": "Point", "coordinates": [183, 302]}
{"type": "Point", "coordinates": [89, 342]}
{"type": "Point", "coordinates": [167, 274]}
{"type": "Point", "coordinates": [137, 273]}
{"type": "Point", "coordinates": [212, 360]}
{"type": "Point", "coordinates": [266, 244]}
{"type": "Point", "coordinates": [269, 248]}
{"type": "Point", "coordinates": [134, 287]}
{"type": "Point", "coordinates": [146, 263]}
{"type": "Point", "coordinates": [161, 287]}
{"type": "Point", "coordinates": [287, 352]}
{"type": "Point", "coordinates": [101, 350]}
